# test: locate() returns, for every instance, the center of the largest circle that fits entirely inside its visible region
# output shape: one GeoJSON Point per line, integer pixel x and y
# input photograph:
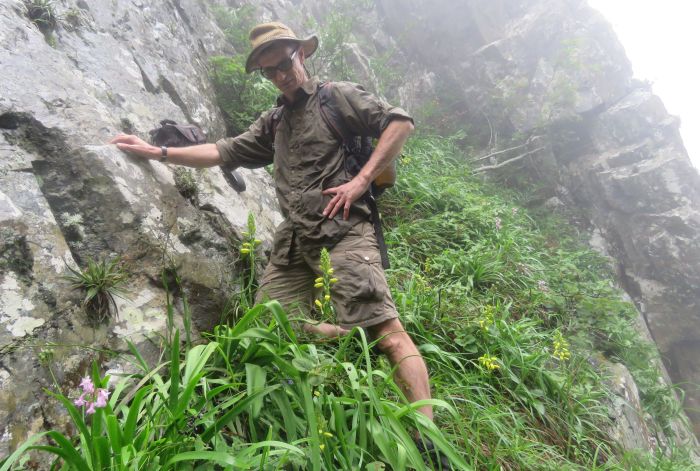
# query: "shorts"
{"type": "Point", "coordinates": [361, 297]}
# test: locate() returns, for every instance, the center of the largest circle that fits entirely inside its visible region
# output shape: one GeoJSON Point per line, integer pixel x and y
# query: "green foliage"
{"type": "Point", "coordinates": [100, 281]}
{"type": "Point", "coordinates": [185, 182]}
{"type": "Point", "coordinates": [253, 397]}
{"type": "Point", "coordinates": [480, 284]}
{"type": "Point", "coordinates": [42, 13]}
{"type": "Point", "coordinates": [236, 24]}
{"type": "Point", "coordinates": [242, 97]}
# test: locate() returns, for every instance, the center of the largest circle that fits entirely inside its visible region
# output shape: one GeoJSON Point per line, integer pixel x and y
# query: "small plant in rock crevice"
{"type": "Point", "coordinates": [186, 183]}
{"type": "Point", "coordinates": [42, 13]}
{"type": "Point", "coordinates": [100, 281]}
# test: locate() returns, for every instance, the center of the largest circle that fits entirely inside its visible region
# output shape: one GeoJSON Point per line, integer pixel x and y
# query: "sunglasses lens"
{"type": "Point", "coordinates": [285, 65]}
{"type": "Point", "coordinates": [270, 72]}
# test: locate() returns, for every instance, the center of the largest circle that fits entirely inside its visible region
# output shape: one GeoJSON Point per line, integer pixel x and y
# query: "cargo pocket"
{"type": "Point", "coordinates": [363, 284]}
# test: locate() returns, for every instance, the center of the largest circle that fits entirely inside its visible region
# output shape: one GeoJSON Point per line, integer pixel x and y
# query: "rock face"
{"type": "Point", "coordinates": [67, 197]}
{"type": "Point", "coordinates": [541, 88]}
{"type": "Point", "coordinates": [549, 81]}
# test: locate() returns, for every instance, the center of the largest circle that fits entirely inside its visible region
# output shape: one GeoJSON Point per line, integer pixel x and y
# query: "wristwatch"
{"type": "Point", "coordinates": [163, 153]}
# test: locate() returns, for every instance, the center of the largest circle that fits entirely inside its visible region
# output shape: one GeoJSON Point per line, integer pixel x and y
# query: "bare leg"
{"type": "Point", "coordinates": [325, 329]}
{"type": "Point", "coordinates": [411, 373]}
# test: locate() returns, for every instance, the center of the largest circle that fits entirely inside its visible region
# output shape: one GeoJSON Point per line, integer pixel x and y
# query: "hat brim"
{"type": "Point", "coordinates": [309, 45]}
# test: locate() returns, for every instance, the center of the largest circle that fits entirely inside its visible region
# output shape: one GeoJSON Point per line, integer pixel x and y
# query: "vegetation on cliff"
{"type": "Point", "coordinates": [515, 318]}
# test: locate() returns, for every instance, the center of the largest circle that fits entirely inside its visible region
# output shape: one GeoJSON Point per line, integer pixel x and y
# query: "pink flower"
{"type": "Point", "coordinates": [87, 385]}
{"type": "Point", "coordinates": [80, 402]}
{"type": "Point", "coordinates": [498, 224]}
{"type": "Point", "coordinates": [91, 408]}
{"type": "Point", "coordinates": [102, 395]}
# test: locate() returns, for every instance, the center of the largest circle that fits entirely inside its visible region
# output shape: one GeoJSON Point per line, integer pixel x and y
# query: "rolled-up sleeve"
{"type": "Point", "coordinates": [252, 149]}
{"type": "Point", "coordinates": [365, 113]}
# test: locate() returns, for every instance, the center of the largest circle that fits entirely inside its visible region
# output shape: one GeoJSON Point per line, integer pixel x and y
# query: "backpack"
{"type": "Point", "coordinates": [171, 134]}
{"type": "Point", "coordinates": [358, 150]}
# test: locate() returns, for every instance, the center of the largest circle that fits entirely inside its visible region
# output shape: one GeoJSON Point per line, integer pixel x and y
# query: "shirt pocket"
{"type": "Point", "coordinates": [363, 278]}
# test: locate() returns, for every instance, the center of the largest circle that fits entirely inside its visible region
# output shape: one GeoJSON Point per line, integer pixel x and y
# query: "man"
{"type": "Point", "coordinates": [322, 204]}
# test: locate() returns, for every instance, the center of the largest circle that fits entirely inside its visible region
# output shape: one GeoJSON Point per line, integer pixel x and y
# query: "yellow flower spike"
{"type": "Point", "coordinates": [318, 280]}
{"type": "Point", "coordinates": [318, 285]}
{"type": "Point", "coordinates": [318, 303]}
{"type": "Point", "coordinates": [327, 297]}
{"type": "Point", "coordinates": [333, 280]}
{"type": "Point", "coordinates": [330, 271]}
{"type": "Point", "coordinates": [257, 241]}
{"type": "Point", "coordinates": [245, 251]}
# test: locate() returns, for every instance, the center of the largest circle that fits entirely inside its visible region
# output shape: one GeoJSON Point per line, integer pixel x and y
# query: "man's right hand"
{"type": "Point", "coordinates": [199, 156]}
{"type": "Point", "coordinates": [136, 146]}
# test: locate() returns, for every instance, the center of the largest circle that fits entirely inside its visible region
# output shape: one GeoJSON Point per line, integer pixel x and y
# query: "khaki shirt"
{"type": "Point", "coordinates": [308, 158]}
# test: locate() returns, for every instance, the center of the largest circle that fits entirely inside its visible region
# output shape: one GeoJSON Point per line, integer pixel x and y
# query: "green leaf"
{"type": "Point", "coordinates": [174, 370]}
{"type": "Point", "coordinates": [255, 381]}
{"type": "Point", "coordinates": [134, 409]}
{"type": "Point", "coordinates": [27, 445]}
{"type": "Point", "coordinates": [215, 456]}
{"type": "Point", "coordinates": [304, 364]}
{"type": "Point", "coordinates": [233, 412]}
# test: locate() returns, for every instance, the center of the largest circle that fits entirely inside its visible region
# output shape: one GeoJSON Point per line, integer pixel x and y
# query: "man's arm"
{"type": "Point", "coordinates": [199, 156]}
{"type": "Point", "coordinates": [388, 147]}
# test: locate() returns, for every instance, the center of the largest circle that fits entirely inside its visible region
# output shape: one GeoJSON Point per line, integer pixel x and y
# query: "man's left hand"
{"type": "Point", "coordinates": [344, 196]}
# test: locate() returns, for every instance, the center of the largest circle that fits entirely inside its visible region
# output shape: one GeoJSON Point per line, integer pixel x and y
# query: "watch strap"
{"type": "Point", "coordinates": [163, 153]}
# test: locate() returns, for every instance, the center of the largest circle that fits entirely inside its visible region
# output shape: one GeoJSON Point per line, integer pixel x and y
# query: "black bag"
{"type": "Point", "coordinates": [171, 134]}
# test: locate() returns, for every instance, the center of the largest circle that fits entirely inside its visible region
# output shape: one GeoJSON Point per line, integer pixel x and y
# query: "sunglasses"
{"type": "Point", "coordinates": [270, 72]}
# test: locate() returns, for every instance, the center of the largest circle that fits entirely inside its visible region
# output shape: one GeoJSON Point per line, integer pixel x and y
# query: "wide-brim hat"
{"type": "Point", "coordinates": [266, 34]}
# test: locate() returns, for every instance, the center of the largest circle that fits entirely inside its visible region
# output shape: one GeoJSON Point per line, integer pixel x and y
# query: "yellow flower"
{"type": "Point", "coordinates": [322, 446]}
{"type": "Point", "coordinates": [327, 434]}
{"type": "Point", "coordinates": [561, 347]}
{"type": "Point", "coordinates": [327, 297]}
{"type": "Point", "coordinates": [318, 280]}
{"type": "Point", "coordinates": [245, 251]}
{"type": "Point", "coordinates": [317, 394]}
{"type": "Point", "coordinates": [330, 271]}
{"type": "Point", "coordinates": [489, 362]}
{"type": "Point", "coordinates": [487, 318]}
{"type": "Point", "coordinates": [318, 303]}
{"type": "Point", "coordinates": [318, 285]}
{"type": "Point", "coordinates": [333, 280]}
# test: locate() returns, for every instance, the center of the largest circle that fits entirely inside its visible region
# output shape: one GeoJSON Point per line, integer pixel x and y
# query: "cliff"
{"type": "Point", "coordinates": [540, 92]}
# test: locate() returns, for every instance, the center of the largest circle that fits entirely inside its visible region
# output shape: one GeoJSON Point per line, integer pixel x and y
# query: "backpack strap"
{"type": "Point", "coordinates": [329, 113]}
{"type": "Point", "coordinates": [275, 120]}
